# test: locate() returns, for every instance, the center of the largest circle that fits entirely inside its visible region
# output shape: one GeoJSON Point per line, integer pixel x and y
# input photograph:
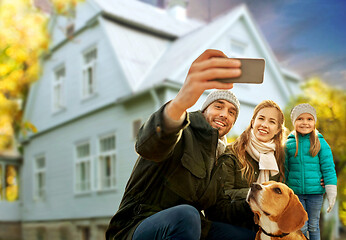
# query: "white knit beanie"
{"type": "Point", "coordinates": [221, 94]}
{"type": "Point", "coordinates": [302, 108]}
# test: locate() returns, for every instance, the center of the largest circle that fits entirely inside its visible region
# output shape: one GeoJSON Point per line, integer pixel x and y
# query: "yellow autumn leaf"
{"type": "Point", "coordinates": [30, 126]}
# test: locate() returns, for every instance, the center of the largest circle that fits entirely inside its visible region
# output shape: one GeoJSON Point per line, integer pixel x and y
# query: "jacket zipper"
{"type": "Point", "coordinates": [215, 163]}
{"type": "Point", "coordinates": [215, 150]}
{"type": "Point", "coordinates": [300, 146]}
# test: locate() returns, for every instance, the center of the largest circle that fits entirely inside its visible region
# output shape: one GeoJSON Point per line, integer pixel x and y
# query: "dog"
{"type": "Point", "coordinates": [277, 211]}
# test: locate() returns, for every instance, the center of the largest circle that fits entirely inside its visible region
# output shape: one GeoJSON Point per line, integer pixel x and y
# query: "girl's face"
{"type": "Point", "coordinates": [305, 123]}
{"type": "Point", "coordinates": [266, 124]}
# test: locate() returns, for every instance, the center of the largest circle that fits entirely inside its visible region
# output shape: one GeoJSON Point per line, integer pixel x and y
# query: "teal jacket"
{"type": "Point", "coordinates": [304, 173]}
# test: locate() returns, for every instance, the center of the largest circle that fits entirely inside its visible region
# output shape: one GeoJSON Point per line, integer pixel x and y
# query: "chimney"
{"type": "Point", "coordinates": [177, 8]}
{"type": "Point", "coordinates": [44, 5]}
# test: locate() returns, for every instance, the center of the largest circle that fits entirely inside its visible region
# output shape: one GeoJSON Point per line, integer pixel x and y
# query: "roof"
{"type": "Point", "coordinates": [183, 51]}
{"type": "Point", "coordinates": [146, 16]}
{"type": "Point", "coordinates": [152, 61]}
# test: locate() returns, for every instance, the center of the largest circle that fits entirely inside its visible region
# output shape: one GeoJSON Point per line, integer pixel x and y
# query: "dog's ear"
{"type": "Point", "coordinates": [293, 217]}
{"type": "Point", "coordinates": [256, 216]}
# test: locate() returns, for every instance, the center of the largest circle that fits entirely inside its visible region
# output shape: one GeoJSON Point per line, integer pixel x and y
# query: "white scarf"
{"type": "Point", "coordinates": [221, 146]}
{"type": "Point", "coordinates": [263, 153]}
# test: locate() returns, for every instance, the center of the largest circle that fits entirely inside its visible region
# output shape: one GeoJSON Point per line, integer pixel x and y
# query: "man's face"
{"type": "Point", "coordinates": [221, 115]}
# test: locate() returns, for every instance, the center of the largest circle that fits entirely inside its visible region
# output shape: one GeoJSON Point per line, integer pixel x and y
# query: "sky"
{"type": "Point", "coordinates": [307, 37]}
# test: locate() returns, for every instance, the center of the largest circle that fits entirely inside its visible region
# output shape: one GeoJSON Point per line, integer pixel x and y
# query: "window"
{"type": "Point", "coordinates": [136, 125]}
{"type": "Point", "coordinates": [107, 162]}
{"type": "Point", "coordinates": [83, 176]}
{"type": "Point", "coordinates": [85, 233]}
{"type": "Point", "coordinates": [88, 88]}
{"type": "Point", "coordinates": [1, 184]}
{"type": "Point", "coordinates": [40, 177]}
{"type": "Point", "coordinates": [11, 183]}
{"type": "Point", "coordinates": [41, 234]}
{"type": "Point", "coordinates": [64, 233]}
{"type": "Point", "coordinates": [237, 48]}
{"type": "Point", "coordinates": [59, 78]}
{"type": "Point", "coordinates": [9, 188]}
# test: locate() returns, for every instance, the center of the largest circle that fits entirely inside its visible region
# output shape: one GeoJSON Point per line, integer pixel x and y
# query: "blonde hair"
{"type": "Point", "coordinates": [238, 147]}
{"type": "Point", "coordinates": [315, 144]}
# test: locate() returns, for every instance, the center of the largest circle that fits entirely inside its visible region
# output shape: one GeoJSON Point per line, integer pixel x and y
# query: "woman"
{"type": "Point", "coordinates": [257, 155]}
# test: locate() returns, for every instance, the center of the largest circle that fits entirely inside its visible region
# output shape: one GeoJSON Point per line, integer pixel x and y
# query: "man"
{"type": "Point", "coordinates": [180, 169]}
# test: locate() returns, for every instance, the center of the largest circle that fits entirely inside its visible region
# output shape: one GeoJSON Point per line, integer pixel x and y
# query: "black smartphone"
{"type": "Point", "coordinates": [252, 71]}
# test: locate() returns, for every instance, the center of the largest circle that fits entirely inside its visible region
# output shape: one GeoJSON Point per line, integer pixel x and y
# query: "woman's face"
{"type": "Point", "coordinates": [266, 124]}
{"type": "Point", "coordinates": [305, 123]}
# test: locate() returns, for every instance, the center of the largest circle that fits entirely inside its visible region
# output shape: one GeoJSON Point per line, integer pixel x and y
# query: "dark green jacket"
{"type": "Point", "coordinates": [237, 187]}
{"type": "Point", "coordinates": [173, 169]}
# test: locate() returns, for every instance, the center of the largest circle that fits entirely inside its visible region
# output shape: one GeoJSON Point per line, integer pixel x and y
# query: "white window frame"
{"type": "Point", "coordinates": [107, 182]}
{"type": "Point", "coordinates": [80, 186]}
{"type": "Point", "coordinates": [234, 44]}
{"type": "Point", "coordinates": [89, 88]}
{"type": "Point", "coordinates": [40, 191]}
{"type": "Point", "coordinates": [58, 83]}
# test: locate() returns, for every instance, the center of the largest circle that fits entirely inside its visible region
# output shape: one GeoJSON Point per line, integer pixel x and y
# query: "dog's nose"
{"type": "Point", "coordinates": [255, 187]}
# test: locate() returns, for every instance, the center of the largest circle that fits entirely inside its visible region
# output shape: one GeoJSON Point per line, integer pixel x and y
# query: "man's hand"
{"type": "Point", "coordinates": [211, 64]}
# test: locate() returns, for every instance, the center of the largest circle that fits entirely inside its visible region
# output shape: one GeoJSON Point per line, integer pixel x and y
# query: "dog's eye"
{"type": "Point", "coordinates": [277, 190]}
{"type": "Point", "coordinates": [267, 214]}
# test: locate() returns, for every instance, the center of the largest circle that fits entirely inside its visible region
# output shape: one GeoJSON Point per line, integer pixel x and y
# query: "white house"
{"type": "Point", "coordinates": [111, 66]}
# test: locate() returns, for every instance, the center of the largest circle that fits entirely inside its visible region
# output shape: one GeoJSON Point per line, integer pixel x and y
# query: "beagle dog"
{"type": "Point", "coordinates": [277, 211]}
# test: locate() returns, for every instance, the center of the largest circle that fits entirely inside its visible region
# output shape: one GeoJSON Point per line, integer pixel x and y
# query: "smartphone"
{"type": "Point", "coordinates": [252, 71]}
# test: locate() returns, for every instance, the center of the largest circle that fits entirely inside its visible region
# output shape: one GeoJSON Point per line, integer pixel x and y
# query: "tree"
{"type": "Point", "coordinates": [24, 38]}
{"type": "Point", "coordinates": [330, 105]}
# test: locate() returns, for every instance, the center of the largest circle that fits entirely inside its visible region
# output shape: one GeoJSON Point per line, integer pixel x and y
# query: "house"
{"type": "Point", "coordinates": [10, 162]}
{"type": "Point", "coordinates": [110, 66]}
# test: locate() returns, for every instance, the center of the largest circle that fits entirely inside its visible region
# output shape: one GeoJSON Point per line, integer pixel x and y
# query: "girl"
{"type": "Point", "coordinates": [308, 160]}
{"type": "Point", "coordinates": [256, 155]}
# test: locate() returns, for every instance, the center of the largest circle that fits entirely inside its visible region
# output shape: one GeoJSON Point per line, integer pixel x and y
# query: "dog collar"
{"type": "Point", "coordinates": [273, 235]}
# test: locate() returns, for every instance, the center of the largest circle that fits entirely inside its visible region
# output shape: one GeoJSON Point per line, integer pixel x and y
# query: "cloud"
{"type": "Point", "coordinates": [336, 79]}
{"type": "Point", "coordinates": [343, 77]}
{"type": "Point", "coordinates": [331, 69]}
{"type": "Point", "coordinates": [306, 37]}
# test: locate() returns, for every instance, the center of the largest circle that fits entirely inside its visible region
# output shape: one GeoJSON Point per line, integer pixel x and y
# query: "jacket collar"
{"type": "Point", "coordinates": [199, 122]}
{"type": "Point", "coordinates": [291, 135]}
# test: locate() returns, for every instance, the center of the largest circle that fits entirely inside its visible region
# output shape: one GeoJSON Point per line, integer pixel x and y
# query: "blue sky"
{"type": "Point", "coordinates": [308, 37]}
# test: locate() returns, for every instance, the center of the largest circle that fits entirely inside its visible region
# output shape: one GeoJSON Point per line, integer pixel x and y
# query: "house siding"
{"type": "Point", "coordinates": [129, 87]}
{"type": "Point", "coordinates": [109, 81]}
{"type": "Point", "coordinates": [58, 147]}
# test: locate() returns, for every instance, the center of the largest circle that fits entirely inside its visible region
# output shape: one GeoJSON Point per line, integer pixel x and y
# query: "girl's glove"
{"type": "Point", "coordinates": [331, 196]}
